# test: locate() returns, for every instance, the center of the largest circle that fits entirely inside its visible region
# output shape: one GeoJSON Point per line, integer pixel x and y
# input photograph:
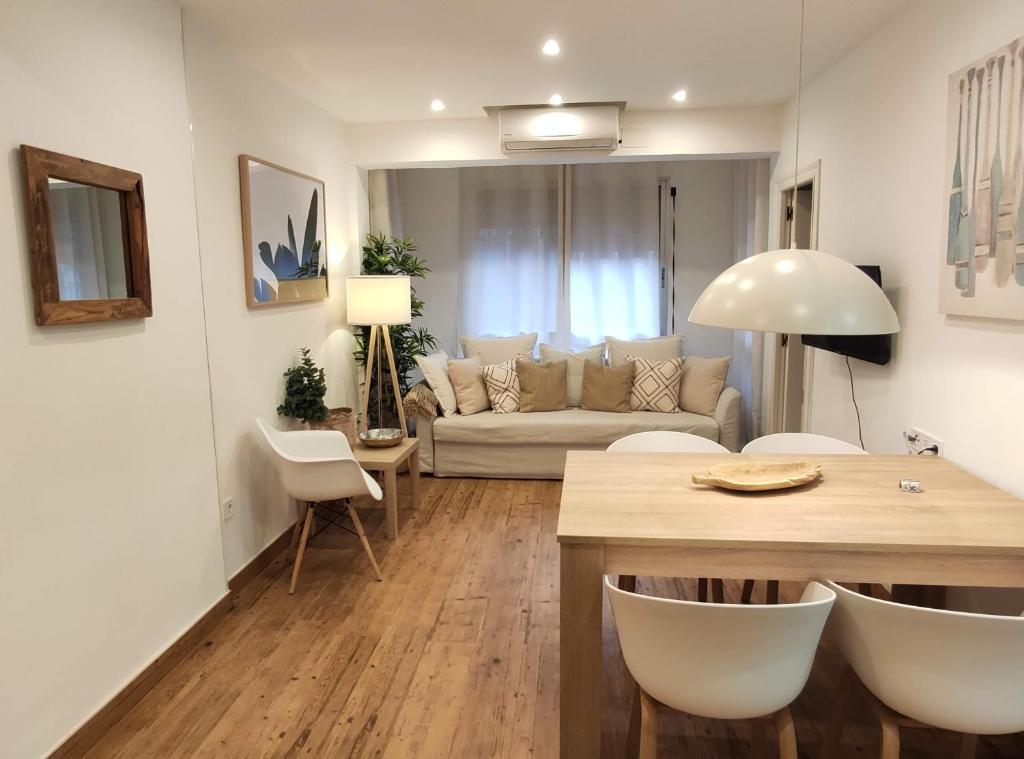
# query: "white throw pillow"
{"type": "Point", "coordinates": [656, 385]}
{"type": "Point", "coordinates": [576, 361]}
{"type": "Point", "coordinates": [652, 349]}
{"type": "Point", "coordinates": [435, 372]}
{"type": "Point", "coordinates": [496, 350]}
{"type": "Point", "coordinates": [502, 382]}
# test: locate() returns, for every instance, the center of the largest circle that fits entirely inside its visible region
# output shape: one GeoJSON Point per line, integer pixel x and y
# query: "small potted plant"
{"type": "Point", "coordinates": [304, 390]}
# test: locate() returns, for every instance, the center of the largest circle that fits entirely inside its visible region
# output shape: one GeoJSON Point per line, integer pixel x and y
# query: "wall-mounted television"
{"type": "Point", "coordinates": [874, 348]}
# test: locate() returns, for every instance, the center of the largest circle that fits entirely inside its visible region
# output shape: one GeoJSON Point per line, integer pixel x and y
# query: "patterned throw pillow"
{"type": "Point", "coordinates": [655, 384]}
{"type": "Point", "coordinates": [503, 387]}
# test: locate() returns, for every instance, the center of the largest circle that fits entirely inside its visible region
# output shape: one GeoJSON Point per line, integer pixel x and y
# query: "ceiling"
{"type": "Point", "coordinates": [385, 60]}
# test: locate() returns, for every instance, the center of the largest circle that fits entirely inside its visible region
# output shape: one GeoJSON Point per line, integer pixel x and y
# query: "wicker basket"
{"type": "Point", "coordinates": [342, 419]}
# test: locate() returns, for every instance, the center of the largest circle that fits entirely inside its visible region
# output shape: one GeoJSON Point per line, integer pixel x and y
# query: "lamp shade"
{"type": "Point", "coordinates": [383, 299]}
{"type": "Point", "coordinates": [796, 292]}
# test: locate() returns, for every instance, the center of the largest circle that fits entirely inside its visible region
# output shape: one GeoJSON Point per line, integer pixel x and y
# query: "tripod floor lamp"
{"type": "Point", "coordinates": [379, 301]}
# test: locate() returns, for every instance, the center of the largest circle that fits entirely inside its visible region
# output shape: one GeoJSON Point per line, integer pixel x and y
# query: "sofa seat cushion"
{"type": "Point", "coordinates": [573, 426]}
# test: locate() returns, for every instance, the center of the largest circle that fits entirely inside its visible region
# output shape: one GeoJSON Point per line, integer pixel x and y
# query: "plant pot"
{"type": "Point", "coordinates": [342, 419]}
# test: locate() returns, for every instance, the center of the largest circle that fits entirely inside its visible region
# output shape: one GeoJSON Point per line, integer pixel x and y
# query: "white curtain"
{"type": "Point", "coordinates": [382, 192]}
{"type": "Point", "coordinates": [510, 269]}
{"type": "Point", "coordinates": [751, 236]}
{"type": "Point", "coordinates": [614, 267]}
{"type": "Point", "coordinates": [87, 235]}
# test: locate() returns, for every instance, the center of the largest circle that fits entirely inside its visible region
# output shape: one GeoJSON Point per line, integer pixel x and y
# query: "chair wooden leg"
{"type": "Point", "coordinates": [633, 734]}
{"type": "Point", "coordinates": [890, 738]}
{"type": "Point", "coordinates": [296, 532]}
{"type": "Point", "coordinates": [773, 591]}
{"type": "Point", "coordinates": [759, 739]}
{"type": "Point", "coordinates": [787, 733]}
{"type": "Point", "coordinates": [718, 591]}
{"type": "Point", "coordinates": [968, 746]}
{"type": "Point", "coordinates": [648, 727]}
{"type": "Point", "coordinates": [362, 539]}
{"type": "Point", "coordinates": [627, 583]}
{"type": "Point", "coordinates": [864, 588]}
{"type": "Point", "coordinates": [702, 589]}
{"type": "Point", "coordinates": [306, 524]}
{"type": "Point", "coordinates": [748, 591]}
{"type": "Point", "coordinates": [845, 691]}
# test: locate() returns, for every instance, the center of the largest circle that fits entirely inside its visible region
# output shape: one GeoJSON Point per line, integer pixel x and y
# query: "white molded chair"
{"type": "Point", "coordinates": [717, 661]}
{"type": "Point", "coordinates": [317, 466]}
{"type": "Point", "coordinates": [929, 668]}
{"type": "Point", "coordinates": [799, 442]}
{"type": "Point", "coordinates": [665, 441]}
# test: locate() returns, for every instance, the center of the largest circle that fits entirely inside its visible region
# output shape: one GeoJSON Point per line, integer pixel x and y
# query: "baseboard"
{"type": "Point", "coordinates": [99, 724]}
{"type": "Point", "coordinates": [94, 728]}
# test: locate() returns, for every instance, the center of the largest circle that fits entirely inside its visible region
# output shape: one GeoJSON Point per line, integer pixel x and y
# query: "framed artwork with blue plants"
{"type": "Point", "coordinates": [283, 234]}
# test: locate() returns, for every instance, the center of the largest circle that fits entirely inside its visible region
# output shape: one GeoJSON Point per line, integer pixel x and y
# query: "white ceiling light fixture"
{"type": "Point", "coordinates": [679, 96]}
{"type": "Point", "coordinates": [436, 105]}
{"type": "Point", "coordinates": [555, 100]}
{"type": "Point", "coordinates": [796, 291]}
{"type": "Point", "coordinates": [551, 47]}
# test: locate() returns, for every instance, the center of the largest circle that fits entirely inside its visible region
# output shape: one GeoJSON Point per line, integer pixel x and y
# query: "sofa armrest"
{"type": "Point", "coordinates": [421, 405]}
{"type": "Point", "coordinates": [727, 414]}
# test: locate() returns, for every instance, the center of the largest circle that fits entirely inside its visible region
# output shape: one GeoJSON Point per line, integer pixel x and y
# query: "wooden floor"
{"type": "Point", "coordinates": [454, 654]}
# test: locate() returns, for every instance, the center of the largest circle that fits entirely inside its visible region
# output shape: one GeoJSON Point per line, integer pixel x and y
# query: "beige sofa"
{"type": "Point", "coordinates": [533, 446]}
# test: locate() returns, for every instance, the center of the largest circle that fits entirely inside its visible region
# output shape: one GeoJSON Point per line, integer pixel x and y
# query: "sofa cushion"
{"type": "Point", "coordinates": [703, 382]}
{"type": "Point", "coordinates": [656, 385]}
{"type": "Point", "coordinates": [502, 387]}
{"type": "Point", "coordinates": [573, 426]}
{"type": "Point", "coordinates": [651, 348]}
{"type": "Point", "coordinates": [435, 372]}
{"type": "Point", "coordinates": [576, 359]}
{"type": "Point", "coordinates": [541, 386]}
{"type": "Point", "coordinates": [495, 350]}
{"type": "Point", "coordinates": [467, 378]}
{"type": "Point", "coordinates": [607, 388]}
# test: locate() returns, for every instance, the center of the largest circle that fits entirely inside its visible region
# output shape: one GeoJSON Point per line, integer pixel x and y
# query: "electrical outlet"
{"type": "Point", "coordinates": [921, 443]}
{"type": "Point", "coordinates": [227, 508]}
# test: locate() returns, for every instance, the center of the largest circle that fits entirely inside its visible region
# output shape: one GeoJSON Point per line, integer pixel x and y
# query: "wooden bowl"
{"type": "Point", "coordinates": [382, 438]}
{"type": "Point", "coordinates": [751, 476]}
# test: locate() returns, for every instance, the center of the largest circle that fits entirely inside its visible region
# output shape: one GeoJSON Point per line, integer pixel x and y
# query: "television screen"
{"type": "Point", "coordinates": [874, 348]}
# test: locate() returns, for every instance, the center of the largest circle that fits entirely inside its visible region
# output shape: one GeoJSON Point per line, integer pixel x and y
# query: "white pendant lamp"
{"type": "Point", "coordinates": [796, 291]}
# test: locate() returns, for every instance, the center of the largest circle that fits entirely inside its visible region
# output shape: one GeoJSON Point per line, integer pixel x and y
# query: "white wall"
{"type": "Point", "coordinates": [110, 546]}
{"type": "Point", "coordinates": [237, 110]}
{"type": "Point", "coordinates": [646, 135]}
{"type": "Point", "coordinates": [877, 119]}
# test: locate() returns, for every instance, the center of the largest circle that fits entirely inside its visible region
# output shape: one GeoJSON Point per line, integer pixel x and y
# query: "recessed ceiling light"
{"type": "Point", "coordinates": [551, 47]}
{"type": "Point", "coordinates": [436, 105]}
{"type": "Point", "coordinates": [679, 96]}
{"type": "Point", "coordinates": [555, 100]}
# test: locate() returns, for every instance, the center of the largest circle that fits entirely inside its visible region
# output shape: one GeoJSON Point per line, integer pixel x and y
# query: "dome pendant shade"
{"type": "Point", "coordinates": [796, 292]}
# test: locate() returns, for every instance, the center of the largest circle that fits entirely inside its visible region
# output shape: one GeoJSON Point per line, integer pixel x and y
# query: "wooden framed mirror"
{"type": "Point", "coordinates": [87, 239]}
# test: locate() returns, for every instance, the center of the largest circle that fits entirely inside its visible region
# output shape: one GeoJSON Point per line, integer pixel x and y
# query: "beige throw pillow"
{"type": "Point", "coordinates": [652, 349]}
{"type": "Point", "coordinates": [435, 373]}
{"type": "Point", "coordinates": [576, 361]}
{"type": "Point", "coordinates": [502, 383]}
{"type": "Point", "coordinates": [703, 381]}
{"type": "Point", "coordinates": [606, 388]}
{"type": "Point", "coordinates": [656, 385]}
{"type": "Point", "coordinates": [542, 387]}
{"type": "Point", "coordinates": [494, 350]}
{"type": "Point", "coordinates": [466, 375]}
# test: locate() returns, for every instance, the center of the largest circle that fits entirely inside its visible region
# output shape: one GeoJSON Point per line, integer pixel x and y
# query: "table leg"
{"type": "Point", "coordinates": [414, 478]}
{"type": "Point", "coordinates": [391, 503]}
{"type": "Point", "coordinates": [581, 680]}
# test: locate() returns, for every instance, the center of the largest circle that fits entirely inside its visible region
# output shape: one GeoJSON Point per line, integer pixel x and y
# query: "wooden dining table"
{"type": "Point", "coordinates": [641, 514]}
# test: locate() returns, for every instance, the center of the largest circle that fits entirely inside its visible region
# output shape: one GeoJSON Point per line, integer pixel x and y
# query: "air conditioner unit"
{"type": "Point", "coordinates": [591, 127]}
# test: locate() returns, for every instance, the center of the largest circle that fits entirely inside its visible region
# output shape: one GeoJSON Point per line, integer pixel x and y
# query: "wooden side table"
{"type": "Point", "coordinates": [388, 461]}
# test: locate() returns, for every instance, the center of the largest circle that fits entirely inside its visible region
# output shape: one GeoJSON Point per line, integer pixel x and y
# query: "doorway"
{"type": "Point", "coordinates": [793, 362]}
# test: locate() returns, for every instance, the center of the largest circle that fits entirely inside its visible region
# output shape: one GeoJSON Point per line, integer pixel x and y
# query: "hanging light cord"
{"type": "Point", "coordinates": [796, 146]}
{"type": "Point", "coordinates": [853, 395]}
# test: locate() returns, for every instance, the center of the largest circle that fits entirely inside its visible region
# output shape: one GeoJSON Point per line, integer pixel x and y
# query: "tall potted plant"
{"type": "Point", "coordinates": [394, 255]}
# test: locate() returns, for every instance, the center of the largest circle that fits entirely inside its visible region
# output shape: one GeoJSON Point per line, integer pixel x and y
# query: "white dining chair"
{"type": "Point", "coordinates": [795, 443]}
{"type": "Point", "coordinates": [719, 661]}
{"type": "Point", "coordinates": [923, 667]}
{"type": "Point", "coordinates": [318, 467]}
{"type": "Point", "coordinates": [799, 442]}
{"type": "Point", "coordinates": [666, 441]}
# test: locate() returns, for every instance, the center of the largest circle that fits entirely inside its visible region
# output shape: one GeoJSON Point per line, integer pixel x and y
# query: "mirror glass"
{"type": "Point", "coordinates": [87, 232]}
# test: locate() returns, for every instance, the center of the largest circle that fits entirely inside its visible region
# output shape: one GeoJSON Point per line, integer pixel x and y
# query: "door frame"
{"type": "Point", "coordinates": [774, 367]}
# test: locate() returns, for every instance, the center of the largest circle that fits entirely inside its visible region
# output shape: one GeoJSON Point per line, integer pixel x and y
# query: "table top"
{"type": "Point", "coordinates": [385, 458]}
{"type": "Point", "coordinates": [649, 499]}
